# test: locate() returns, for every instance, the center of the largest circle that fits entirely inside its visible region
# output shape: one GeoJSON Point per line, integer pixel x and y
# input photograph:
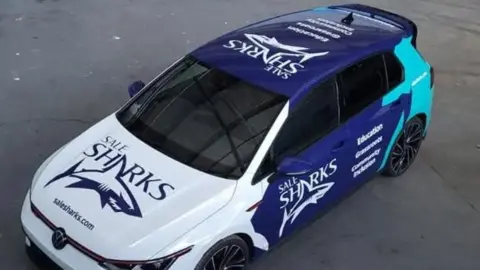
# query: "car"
{"type": "Point", "coordinates": [236, 145]}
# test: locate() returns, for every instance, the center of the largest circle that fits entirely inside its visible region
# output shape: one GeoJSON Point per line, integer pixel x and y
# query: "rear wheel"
{"type": "Point", "coordinates": [231, 253]}
{"type": "Point", "coordinates": [405, 149]}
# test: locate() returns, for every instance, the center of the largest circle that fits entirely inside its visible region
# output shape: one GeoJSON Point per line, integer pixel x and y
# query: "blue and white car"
{"type": "Point", "coordinates": [236, 145]}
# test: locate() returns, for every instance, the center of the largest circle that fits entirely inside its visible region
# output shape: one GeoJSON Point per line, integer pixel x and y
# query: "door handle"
{"type": "Point", "coordinates": [338, 146]}
{"type": "Point", "coordinates": [397, 103]}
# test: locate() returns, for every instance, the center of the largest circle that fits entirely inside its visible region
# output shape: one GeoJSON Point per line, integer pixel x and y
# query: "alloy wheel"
{"type": "Point", "coordinates": [230, 257]}
{"type": "Point", "coordinates": [406, 148]}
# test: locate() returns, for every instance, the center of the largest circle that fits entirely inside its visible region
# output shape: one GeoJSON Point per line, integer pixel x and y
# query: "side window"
{"type": "Point", "coordinates": [361, 85]}
{"type": "Point", "coordinates": [394, 70]}
{"type": "Point", "coordinates": [313, 118]}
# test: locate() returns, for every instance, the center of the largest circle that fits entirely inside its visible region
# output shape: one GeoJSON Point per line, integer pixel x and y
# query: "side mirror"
{"type": "Point", "coordinates": [135, 87]}
{"type": "Point", "coordinates": [291, 166]}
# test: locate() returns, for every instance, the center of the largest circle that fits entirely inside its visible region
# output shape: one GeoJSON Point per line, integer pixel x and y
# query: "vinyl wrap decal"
{"type": "Point", "coordinates": [105, 169]}
{"type": "Point", "coordinates": [290, 202]}
{"type": "Point", "coordinates": [420, 92]}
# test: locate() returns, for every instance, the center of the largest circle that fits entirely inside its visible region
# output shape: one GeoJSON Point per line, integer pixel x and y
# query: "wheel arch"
{"type": "Point", "coordinates": [224, 224]}
{"type": "Point", "coordinates": [424, 118]}
{"type": "Point", "coordinates": [251, 247]}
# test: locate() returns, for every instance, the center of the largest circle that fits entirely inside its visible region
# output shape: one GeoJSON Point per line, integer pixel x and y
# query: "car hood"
{"type": "Point", "coordinates": [122, 199]}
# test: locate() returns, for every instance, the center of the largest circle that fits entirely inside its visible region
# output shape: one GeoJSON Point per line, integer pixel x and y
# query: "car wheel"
{"type": "Point", "coordinates": [231, 253]}
{"type": "Point", "coordinates": [405, 149]}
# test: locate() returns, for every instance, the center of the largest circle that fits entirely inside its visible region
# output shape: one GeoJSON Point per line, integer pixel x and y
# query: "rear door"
{"type": "Point", "coordinates": [373, 108]}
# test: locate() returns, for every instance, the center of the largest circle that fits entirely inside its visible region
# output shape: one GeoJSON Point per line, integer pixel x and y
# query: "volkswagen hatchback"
{"type": "Point", "coordinates": [236, 145]}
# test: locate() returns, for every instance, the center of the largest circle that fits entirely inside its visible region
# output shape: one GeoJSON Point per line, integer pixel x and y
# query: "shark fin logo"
{"type": "Point", "coordinates": [104, 168]}
{"type": "Point", "coordinates": [271, 44]}
{"type": "Point", "coordinates": [280, 59]}
{"type": "Point", "coordinates": [316, 193]}
{"type": "Point", "coordinates": [118, 197]}
{"type": "Point", "coordinates": [297, 194]}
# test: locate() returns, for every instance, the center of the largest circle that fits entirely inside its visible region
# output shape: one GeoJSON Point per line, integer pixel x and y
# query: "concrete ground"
{"type": "Point", "coordinates": [65, 64]}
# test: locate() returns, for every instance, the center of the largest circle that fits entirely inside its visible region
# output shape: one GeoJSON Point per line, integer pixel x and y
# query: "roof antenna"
{"type": "Point", "coordinates": [348, 19]}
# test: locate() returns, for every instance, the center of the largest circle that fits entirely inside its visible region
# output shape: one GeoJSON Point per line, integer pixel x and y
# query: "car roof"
{"type": "Point", "coordinates": [289, 53]}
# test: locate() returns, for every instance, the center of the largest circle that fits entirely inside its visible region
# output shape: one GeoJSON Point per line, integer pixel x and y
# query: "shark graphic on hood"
{"type": "Point", "coordinates": [118, 197]}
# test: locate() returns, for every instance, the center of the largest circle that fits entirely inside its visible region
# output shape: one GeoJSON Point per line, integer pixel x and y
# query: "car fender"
{"type": "Point", "coordinates": [233, 219]}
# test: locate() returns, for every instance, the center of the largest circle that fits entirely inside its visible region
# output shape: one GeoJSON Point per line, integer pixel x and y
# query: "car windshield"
{"type": "Point", "coordinates": [203, 117]}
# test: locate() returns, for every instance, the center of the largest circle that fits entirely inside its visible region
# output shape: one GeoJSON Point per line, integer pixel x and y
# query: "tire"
{"type": "Point", "coordinates": [406, 148]}
{"type": "Point", "coordinates": [232, 247]}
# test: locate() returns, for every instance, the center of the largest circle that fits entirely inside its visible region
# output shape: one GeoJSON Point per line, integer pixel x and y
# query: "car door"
{"type": "Point", "coordinates": [310, 155]}
{"type": "Point", "coordinates": [373, 106]}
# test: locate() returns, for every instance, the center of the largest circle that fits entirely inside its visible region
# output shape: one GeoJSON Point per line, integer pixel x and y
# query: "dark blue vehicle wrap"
{"type": "Point", "coordinates": [289, 55]}
{"type": "Point", "coordinates": [344, 159]}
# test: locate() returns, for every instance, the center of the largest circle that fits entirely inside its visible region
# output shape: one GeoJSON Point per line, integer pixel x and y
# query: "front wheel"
{"type": "Point", "coordinates": [231, 253]}
{"type": "Point", "coordinates": [405, 149]}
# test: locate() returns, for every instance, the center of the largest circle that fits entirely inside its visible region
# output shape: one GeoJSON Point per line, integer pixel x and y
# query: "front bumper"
{"type": "Point", "coordinates": [42, 253]}
{"type": "Point", "coordinates": [41, 248]}
{"type": "Point", "coordinates": [38, 258]}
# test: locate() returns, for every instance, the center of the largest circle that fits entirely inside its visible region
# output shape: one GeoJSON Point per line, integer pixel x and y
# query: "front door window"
{"type": "Point", "coordinates": [309, 138]}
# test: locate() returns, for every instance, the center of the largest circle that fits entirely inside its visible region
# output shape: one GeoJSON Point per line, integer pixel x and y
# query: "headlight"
{"type": "Point", "coordinates": [163, 263]}
{"type": "Point", "coordinates": [158, 265]}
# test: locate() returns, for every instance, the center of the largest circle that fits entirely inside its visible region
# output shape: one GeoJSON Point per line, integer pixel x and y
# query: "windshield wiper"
{"type": "Point", "coordinates": [224, 126]}
{"type": "Point", "coordinates": [250, 128]}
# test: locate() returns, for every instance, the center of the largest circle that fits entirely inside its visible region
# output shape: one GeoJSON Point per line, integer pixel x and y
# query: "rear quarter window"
{"type": "Point", "coordinates": [395, 73]}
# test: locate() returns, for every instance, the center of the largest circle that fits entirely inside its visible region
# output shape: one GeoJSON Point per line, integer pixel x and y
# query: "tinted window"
{"type": "Point", "coordinates": [313, 118]}
{"type": "Point", "coordinates": [204, 118]}
{"type": "Point", "coordinates": [394, 70]}
{"type": "Point", "coordinates": [362, 84]}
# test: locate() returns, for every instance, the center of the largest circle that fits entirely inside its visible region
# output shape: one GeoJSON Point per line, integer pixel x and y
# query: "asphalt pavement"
{"type": "Point", "coordinates": [66, 64]}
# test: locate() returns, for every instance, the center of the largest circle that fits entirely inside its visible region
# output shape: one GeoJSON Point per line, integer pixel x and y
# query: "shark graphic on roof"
{"type": "Point", "coordinates": [288, 50]}
{"type": "Point", "coordinates": [280, 59]}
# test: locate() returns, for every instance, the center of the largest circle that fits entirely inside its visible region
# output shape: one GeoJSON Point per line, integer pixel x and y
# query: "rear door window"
{"type": "Point", "coordinates": [362, 84]}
